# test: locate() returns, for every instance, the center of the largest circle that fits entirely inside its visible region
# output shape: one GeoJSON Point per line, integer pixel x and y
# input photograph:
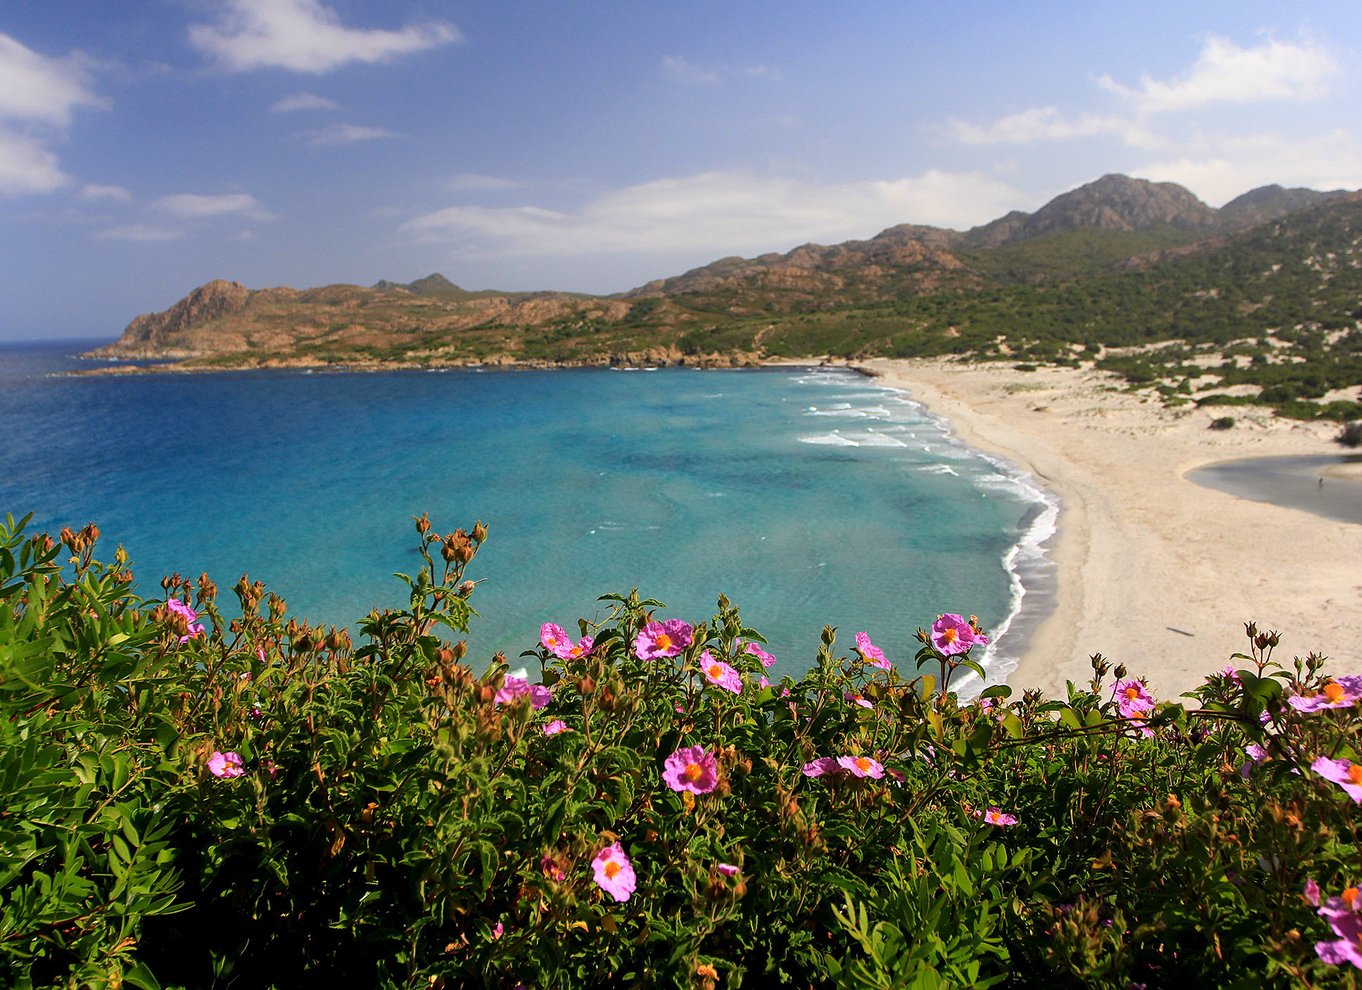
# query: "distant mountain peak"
{"type": "Point", "coordinates": [1113, 202]}
{"type": "Point", "coordinates": [434, 284]}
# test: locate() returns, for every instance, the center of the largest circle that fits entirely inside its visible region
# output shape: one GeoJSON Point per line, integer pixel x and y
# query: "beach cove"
{"type": "Point", "coordinates": [1154, 571]}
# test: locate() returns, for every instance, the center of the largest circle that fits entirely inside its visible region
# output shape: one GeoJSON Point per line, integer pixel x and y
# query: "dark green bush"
{"type": "Point", "coordinates": [195, 800]}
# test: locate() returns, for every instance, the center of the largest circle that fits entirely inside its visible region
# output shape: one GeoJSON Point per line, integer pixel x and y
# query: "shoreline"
{"type": "Point", "coordinates": [1153, 570]}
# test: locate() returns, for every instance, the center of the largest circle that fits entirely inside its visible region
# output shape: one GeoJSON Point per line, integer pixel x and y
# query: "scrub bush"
{"type": "Point", "coordinates": [194, 800]}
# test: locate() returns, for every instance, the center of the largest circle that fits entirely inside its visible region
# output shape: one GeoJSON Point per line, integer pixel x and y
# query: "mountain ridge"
{"type": "Point", "coordinates": [907, 288]}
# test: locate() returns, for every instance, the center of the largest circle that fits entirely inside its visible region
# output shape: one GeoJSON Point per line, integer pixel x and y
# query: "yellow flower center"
{"type": "Point", "coordinates": [1355, 773]}
{"type": "Point", "coordinates": [950, 635]}
{"type": "Point", "coordinates": [1132, 693]}
{"type": "Point", "coordinates": [693, 772]}
{"type": "Point", "coordinates": [863, 763]}
{"type": "Point", "coordinates": [611, 869]}
{"type": "Point", "coordinates": [663, 641]}
{"type": "Point", "coordinates": [1349, 895]}
{"type": "Point", "coordinates": [1333, 691]}
{"type": "Point", "coordinates": [575, 652]}
{"type": "Point", "coordinates": [715, 672]}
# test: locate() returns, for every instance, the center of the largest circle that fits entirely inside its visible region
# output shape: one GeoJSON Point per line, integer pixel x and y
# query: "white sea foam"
{"type": "Point", "coordinates": [1026, 561]}
{"type": "Point", "coordinates": [875, 438]}
{"type": "Point", "coordinates": [833, 439]}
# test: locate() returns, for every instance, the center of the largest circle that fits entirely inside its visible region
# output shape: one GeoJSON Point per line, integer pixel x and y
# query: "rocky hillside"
{"type": "Point", "coordinates": [909, 289]}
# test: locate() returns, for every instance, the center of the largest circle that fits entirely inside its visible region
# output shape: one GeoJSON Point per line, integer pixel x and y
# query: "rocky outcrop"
{"type": "Point", "coordinates": [1270, 202]}
{"type": "Point", "coordinates": [1113, 202]}
{"type": "Point", "coordinates": [154, 333]}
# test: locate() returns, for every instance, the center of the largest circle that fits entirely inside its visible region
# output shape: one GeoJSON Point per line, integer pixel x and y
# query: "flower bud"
{"type": "Point", "coordinates": [479, 532]}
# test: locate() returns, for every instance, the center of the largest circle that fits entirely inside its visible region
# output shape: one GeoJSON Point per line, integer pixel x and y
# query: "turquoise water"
{"type": "Point", "coordinates": [807, 496]}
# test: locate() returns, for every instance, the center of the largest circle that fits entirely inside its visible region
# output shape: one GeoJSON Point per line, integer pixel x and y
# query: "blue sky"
{"type": "Point", "coordinates": [147, 146]}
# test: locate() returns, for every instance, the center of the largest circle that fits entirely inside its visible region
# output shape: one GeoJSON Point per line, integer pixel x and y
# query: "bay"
{"type": "Point", "coordinates": [809, 496]}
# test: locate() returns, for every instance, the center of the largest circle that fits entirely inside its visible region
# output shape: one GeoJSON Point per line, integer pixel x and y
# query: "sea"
{"type": "Point", "coordinates": [809, 496]}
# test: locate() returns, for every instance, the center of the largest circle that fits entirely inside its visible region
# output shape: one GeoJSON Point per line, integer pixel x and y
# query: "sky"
{"type": "Point", "coordinates": [149, 146]}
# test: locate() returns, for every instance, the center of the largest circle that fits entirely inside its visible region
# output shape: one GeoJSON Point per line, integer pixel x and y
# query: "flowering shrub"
{"type": "Point", "coordinates": [192, 799]}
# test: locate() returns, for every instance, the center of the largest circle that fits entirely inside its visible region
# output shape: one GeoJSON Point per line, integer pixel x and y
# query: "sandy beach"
{"type": "Point", "coordinates": [1154, 571]}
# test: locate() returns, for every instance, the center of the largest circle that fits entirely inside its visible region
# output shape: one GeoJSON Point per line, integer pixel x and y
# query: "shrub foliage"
{"type": "Point", "coordinates": [190, 799]}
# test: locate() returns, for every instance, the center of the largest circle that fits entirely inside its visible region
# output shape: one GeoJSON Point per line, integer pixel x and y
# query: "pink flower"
{"type": "Point", "coordinates": [766, 659]}
{"type": "Point", "coordinates": [824, 766]}
{"type": "Point", "coordinates": [953, 633]}
{"type": "Point", "coordinates": [1256, 754]}
{"type": "Point", "coordinates": [1230, 674]}
{"type": "Point", "coordinates": [226, 765]}
{"type": "Point", "coordinates": [861, 766]}
{"type": "Point", "coordinates": [872, 653]}
{"type": "Point", "coordinates": [995, 817]}
{"type": "Point", "coordinates": [856, 698]}
{"type": "Point", "coordinates": [1344, 773]}
{"type": "Point", "coordinates": [1311, 892]}
{"type": "Point", "coordinates": [691, 769]}
{"type": "Point", "coordinates": [1132, 699]}
{"type": "Point", "coordinates": [555, 639]}
{"type": "Point", "coordinates": [719, 673]}
{"type": "Point", "coordinates": [555, 727]}
{"type": "Point", "coordinates": [1339, 692]}
{"type": "Point", "coordinates": [194, 627]}
{"type": "Point", "coordinates": [498, 930]}
{"type": "Point", "coordinates": [513, 687]}
{"type": "Point", "coordinates": [1348, 948]}
{"type": "Point", "coordinates": [728, 869]}
{"type": "Point", "coordinates": [614, 872]}
{"type": "Point", "coordinates": [1341, 905]}
{"type": "Point", "coordinates": [662, 639]}
{"type": "Point", "coordinates": [1342, 914]}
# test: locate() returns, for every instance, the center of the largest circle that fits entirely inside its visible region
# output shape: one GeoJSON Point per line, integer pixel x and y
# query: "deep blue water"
{"type": "Point", "coordinates": [807, 496]}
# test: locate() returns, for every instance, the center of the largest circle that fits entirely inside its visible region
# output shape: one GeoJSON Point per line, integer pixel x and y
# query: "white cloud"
{"type": "Point", "coordinates": [193, 206]}
{"type": "Point", "coordinates": [139, 232]}
{"type": "Point", "coordinates": [26, 166]}
{"type": "Point", "coordinates": [682, 68]}
{"type": "Point", "coordinates": [35, 87]}
{"type": "Point", "coordinates": [1229, 166]}
{"type": "Point", "coordinates": [720, 213]}
{"type": "Point", "coordinates": [1226, 73]}
{"type": "Point", "coordinates": [338, 134]}
{"type": "Point", "coordinates": [36, 90]}
{"type": "Point", "coordinates": [472, 182]}
{"type": "Point", "coordinates": [1050, 124]}
{"type": "Point", "coordinates": [304, 101]}
{"type": "Point", "coordinates": [687, 71]}
{"type": "Point", "coordinates": [116, 194]}
{"type": "Point", "coordinates": [304, 36]}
